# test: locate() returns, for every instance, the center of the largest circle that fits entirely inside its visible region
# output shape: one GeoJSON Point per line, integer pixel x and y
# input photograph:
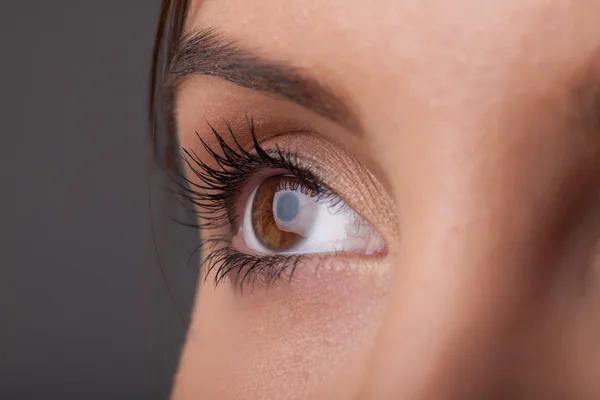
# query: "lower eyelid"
{"type": "Point", "coordinates": [246, 273]}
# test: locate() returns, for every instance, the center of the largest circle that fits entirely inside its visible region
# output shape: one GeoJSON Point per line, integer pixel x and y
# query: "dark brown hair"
{"type": "Point", "coordinates": [163, 135]}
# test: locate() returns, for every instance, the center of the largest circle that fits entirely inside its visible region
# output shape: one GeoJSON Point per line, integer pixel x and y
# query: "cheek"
{"type": "Point", "coordinates": [310, 336]}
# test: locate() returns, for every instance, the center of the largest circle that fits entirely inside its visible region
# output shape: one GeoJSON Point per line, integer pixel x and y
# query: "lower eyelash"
{"type": "Point", "coordinates": [247, 269]}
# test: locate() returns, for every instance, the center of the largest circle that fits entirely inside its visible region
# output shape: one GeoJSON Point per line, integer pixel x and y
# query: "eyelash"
{"type": "Point", "coordinates": [216, 194]}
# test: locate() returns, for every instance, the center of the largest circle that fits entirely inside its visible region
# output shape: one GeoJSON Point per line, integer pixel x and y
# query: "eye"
{"type": "Point", "coordinates": [283, 215]}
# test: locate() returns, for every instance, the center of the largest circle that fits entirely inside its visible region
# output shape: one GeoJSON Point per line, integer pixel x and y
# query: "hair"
{"type": "Point", "coordinates": [161, 116]}
{"type": "Point", "coordinates": [163, 148]}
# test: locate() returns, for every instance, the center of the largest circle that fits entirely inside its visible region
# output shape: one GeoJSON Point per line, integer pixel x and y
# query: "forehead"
{"type": "Point", "coordinates": [405, 29]}
{"type": "Point", "coordinates": [450, 56]}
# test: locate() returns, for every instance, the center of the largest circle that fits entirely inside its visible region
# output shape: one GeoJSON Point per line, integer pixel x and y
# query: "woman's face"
{"type": "Point", "coordinates": [424, 222]}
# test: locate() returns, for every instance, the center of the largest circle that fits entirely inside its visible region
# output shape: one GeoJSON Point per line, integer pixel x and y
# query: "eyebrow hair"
{"type": "Point", "coordinates": [207, 52]}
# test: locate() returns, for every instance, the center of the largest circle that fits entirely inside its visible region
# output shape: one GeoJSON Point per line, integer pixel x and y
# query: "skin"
{"type": "Point", "coordinates": [486, 190]}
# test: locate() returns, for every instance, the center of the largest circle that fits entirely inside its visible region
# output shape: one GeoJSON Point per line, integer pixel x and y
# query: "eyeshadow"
{"type": "Point", "coordinates": [343, 174]}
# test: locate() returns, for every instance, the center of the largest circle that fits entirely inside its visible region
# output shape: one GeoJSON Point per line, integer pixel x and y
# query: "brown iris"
{"type": "Point", "coordinates": [264, 221]}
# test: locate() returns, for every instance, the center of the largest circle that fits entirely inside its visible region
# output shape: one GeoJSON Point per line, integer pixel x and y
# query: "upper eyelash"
{"type": "Point", "coordinates": [215, 194]}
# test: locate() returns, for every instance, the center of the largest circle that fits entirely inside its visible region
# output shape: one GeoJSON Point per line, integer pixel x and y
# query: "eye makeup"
{"type": "Point", "coordinates": [223, 185]}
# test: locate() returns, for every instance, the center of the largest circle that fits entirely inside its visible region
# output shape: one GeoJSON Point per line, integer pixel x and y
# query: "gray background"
{"type": "Point", "coordinates": [85, 312]}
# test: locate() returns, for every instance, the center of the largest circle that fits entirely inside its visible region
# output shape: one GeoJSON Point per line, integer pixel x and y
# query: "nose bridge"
{"type": "Point", "coordinates": [463, 269]}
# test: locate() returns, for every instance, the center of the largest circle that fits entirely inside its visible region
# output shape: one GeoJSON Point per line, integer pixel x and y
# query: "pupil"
{"type": "Point", "coordinates": [288, 206]}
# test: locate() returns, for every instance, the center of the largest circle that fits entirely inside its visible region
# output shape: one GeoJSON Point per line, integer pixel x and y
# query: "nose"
{"type": "Point", "coordinates": [472, 267]}
{"type": "Point", "coordinates": [457, 296]}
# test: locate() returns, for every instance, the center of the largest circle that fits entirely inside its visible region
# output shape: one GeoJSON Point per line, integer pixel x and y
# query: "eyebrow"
{"type": "Point", "coordinates": [207, 52]}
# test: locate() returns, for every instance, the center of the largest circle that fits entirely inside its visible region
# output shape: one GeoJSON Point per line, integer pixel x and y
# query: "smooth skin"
{"type": "Point", "coordinates": [480, 120]}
